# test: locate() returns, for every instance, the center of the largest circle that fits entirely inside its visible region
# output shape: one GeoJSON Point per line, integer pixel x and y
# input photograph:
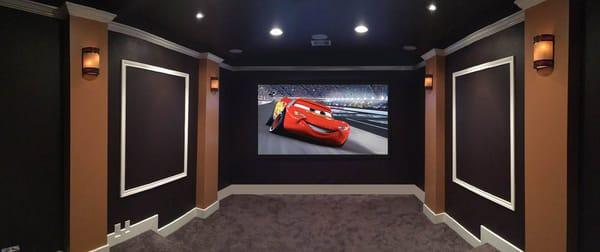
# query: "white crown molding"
{"type": "Point", "coordinates": [212, 57]}
{"type": "Point", "coordinates": [433, 52]}
{"type": "Point", "coordinates": [526, 4]}
{"type": "Point", "coordinates": [83, 11]}
{"type": "Point", "coordinates": [32, 7]}
{"type": "Point", "coordinates": [226, 66]}
{"type": "Point", "coordinates": [487, 31]}
{"type": "Point", "coordinates": [149, 37]}
{"type": "Point", "coordinates": [320, 68]}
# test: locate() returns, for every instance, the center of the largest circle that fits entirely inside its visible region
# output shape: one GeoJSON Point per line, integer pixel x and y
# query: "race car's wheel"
{"type": "Point", "coordinates": [270, 121]}
{"type": "Point", "coordinates": [277, 124]}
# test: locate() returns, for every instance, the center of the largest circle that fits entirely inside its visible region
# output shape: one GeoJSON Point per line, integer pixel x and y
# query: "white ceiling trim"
{"type": "Point", "coordinates": [210, 56]}
{"type": "Point", "coordinates": [149, 37]}
{"type": "Point", "coordinates": [485, 32]}
{"type": "Point", "coordinates": [83, 11]}
{"type": "Point", "coordinates": [32, 7]}
{"type": "Point", "coordinates": [526, 4]}
{"type": "Point", "coordinates": [433, 52]}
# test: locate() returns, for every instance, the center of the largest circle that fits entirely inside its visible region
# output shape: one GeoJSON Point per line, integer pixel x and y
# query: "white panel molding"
{"type": "Point", "coordinates": [526, 4]}
{"type": "Point", "coordinates": [127, 63]}
{"type": "Point", "coordinates": [83, 11]}
{"type": "Point", "coordinates": [487, 236]}
{"type": "Point", "coordinates": [315, 189]}
{"type": "Point", "coordinates": [32, 7]}
{"type": "Point", "coordinates": [487, 31]}
{"type": "Point", "coordinates": [510, 204]}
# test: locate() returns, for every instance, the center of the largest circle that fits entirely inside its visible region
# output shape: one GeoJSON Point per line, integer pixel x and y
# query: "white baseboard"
{"type": "Point", "coordinates": [435, 218]}
{"type": "Point", "coordinates": [204, 213]}
{"type": "Point", "coordinates": [151, 224]}
{"type": "Point", "coordinates": [134, 230]}
{"type": "Point", "coordinates": [487, 236]}
{"type": "Point", "coordinates": [461, 231]}
{"type": "Point", "coordinates": [105, 248]}
{"type": "Point", "coordinates": [308, 189]}
{"type": "Point", "coordinates": [195, 212]}
{"type": "Point", "coordinates": [177, 223]}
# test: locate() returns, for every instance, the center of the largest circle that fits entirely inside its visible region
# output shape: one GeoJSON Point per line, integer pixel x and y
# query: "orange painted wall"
{"type": "Point", "coordinates": [435, 123]}
{"type": "Point", "coordinates": [546, 105]}
{"type": "Point", "coordinates": [88, 139]}
{"type": "Point", "coordinates": [208, 136]}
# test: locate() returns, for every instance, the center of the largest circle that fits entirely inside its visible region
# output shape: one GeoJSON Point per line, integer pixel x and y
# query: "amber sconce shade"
{"type": "Point", "coordinates": [90, 60]}
{"type": "Point", "coordinates": [214, 84]}
{"type": "Point", "coordinates": [543, 52]}
{"type": "Point", "coordinates": [428, 81]}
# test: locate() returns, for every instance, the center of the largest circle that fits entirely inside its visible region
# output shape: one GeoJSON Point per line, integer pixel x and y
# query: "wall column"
{"type": "Point", "coordinates": [435, 126]}
{"type": "Point", "coordinates": [88, 127]}
{"type": "Point", "coordinates": [546, 118]}
{"type": "Point", "coordinates": [208, 133]}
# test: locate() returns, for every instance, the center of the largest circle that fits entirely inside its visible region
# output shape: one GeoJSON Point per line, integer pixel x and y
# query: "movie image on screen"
{"type": "Point", "coordinates": [349, 119]}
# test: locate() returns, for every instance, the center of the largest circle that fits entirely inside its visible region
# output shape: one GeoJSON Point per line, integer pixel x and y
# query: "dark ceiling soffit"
{"type": "Point", "coordinates": [55, 12]}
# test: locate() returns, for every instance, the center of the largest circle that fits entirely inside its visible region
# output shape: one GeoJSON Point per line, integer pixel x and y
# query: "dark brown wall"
{"type": "Point", "coordinates": [240, 164]}
{"type": "Point", "coordinates": [32, 167]}
{"type": "Point", "coordinates": [589, 174]}
{"type": "Point", "coordinates": [170, 200]}
{"type": "Point", "coordinates": [468, 208]}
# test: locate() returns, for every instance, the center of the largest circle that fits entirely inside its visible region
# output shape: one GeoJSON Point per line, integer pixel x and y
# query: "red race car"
{"type": "Point", "coordinates": [309, 119]}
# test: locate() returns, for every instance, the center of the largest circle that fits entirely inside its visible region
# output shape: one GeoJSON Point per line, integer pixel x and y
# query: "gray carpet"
{"type": "Point", "coordinates": [308, 223]}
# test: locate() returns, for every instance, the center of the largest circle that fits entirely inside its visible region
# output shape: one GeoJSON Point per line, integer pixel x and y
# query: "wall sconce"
{"type": "Point", "coordinates": [214, 84]}
{"type": "Point", "coordinates": [543, 51]}
{"type": "Point", "coordinates": [90, 59]}
{"type": "Point", "coordinates": [428, 81]}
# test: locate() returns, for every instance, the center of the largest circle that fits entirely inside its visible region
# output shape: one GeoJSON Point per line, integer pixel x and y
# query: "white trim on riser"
{"type": "Point", "coordinates": [487, 236]}
{"type": "Point", "coordinates": [151, 223]}
{"type": "Point", "coordinates": [310, 189]}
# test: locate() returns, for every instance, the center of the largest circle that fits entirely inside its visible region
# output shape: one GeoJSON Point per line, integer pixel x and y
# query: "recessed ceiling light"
{"type": "Point", "coordinates": [276, 32]}
{"type": "Point", "coordinates": [236, 51]}
{"type": "Point", "coordinates": [432, 7]}
{"type": "Point", "coordinates": [409, 48]}
{"type": "Point", "coordinates": [199, 15]}
{"type": "Point", "coordinates": [361, 29]}
{"type": "Point", "coordinates": [319, 36]}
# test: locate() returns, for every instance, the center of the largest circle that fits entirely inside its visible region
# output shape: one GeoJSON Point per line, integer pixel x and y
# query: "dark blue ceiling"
{"type": "Point", "coordinates": [245, 24]}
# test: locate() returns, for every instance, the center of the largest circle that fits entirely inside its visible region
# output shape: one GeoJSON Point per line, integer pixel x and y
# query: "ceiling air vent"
{"type": "Point", "coordinates": [320, 42]}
